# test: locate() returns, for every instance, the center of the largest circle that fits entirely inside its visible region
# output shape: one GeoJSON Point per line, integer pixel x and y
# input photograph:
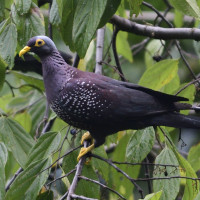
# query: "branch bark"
{"type": "Point", "coordinates": [99, 50]}
{"type": "Point", "coordinates": [155, 32]}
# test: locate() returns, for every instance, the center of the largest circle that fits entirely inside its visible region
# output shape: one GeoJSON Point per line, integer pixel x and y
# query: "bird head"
{"type": "Point", "coordinates": [40, 45]}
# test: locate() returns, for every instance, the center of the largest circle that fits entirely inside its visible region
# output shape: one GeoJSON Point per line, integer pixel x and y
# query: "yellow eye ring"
{"type": "Point", "coordinates": [39, 43]}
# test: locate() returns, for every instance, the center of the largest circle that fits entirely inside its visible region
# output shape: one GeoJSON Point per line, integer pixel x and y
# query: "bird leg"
{"type": "Point", "coordinates": [84, 150]}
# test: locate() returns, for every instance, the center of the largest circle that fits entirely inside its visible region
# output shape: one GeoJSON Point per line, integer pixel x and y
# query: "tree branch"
{"type": "Point", "coordinates": [99, 50]}
{"type": "Point", "coordinates": [155, 32]}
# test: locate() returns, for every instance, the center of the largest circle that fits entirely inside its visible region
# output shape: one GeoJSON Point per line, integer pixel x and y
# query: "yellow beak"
{"type": "Point", "coordinates": [24, 50]}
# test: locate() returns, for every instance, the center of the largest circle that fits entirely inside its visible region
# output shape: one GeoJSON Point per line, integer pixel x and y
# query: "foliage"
{"type": "Point", "coordinates": [152, 63]}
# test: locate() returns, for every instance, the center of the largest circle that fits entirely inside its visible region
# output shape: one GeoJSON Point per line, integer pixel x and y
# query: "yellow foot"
{"type": "Point", "coordinates": [83, 151]}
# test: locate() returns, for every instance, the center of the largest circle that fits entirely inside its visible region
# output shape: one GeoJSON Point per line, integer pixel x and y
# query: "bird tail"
{"type": "Point", "coordinates": [176, 120]}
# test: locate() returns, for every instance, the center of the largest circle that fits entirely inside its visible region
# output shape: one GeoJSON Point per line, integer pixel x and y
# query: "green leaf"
{"type": "Point", "coordinates": [172, 86]}
{"type": "Point", "coordinates": [28, 25]}
{"type": "Point", "coordinates": [3, 65]}
{"type": "Point", "coordinates": [191, 186]}
{"type": "Point", "coordinates": [25, 120]}
{"type": "Point", "coordinates": [2, 7]}
{"type": "Point", "coordinates": [123, 46]}
{"type": "Point", "coordinates": [178, 18]}
{"type": "Point", "coordinates": [154, 48]}
{"type": "Point", "coordinates": [140, 144]}
{"type": "Point", "coordinates": [187, 6]}
{"type": "Point", "coordinates": [54, 15]}
{"type": "Point", "coordinates": [111, 8]}
{"type": "Point", "coordinates": [153, 196]}
{"type": "Point", "coordinates": [69, 7]}
{"type": "Point", "coordinates": [33, 81]}
{"type": "Point", "coordinates": [160, 74]}
{"type": "Point", "coordinates": [3, 154]}
{"type": "Point", "coordinates": [23, 6]}
{"type": "Point", "coordinates": [84, 188]}
{"type": "Point", "coordinates": [17, 103]}
{"type": "Point", "coordinates": [170, 187]}
{"type": "Point", "coordinates": [28, 184]}
{"type": "Point", "coordinates": [135, 6]}
{"type": "Point", "coordinates": [16, 139]}
{"type": "Point", "coordinates": [86, 20]}
{"type": "Point", "coordinates": [45, 146]}
{"type": "Point", "coordinates": [37, 113]}
{"type": "Point", "coordinates": [8, 45]}
{"type": "Point", "coordinates": [3, 160]}
{"type": "Point", "coordinates": [194, 157]}
{"type": "Point", "coordinates": [189, 93]}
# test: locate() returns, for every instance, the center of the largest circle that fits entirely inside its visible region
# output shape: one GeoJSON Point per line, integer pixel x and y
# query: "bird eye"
{"type": "Point", "coordinates": [39, 43]}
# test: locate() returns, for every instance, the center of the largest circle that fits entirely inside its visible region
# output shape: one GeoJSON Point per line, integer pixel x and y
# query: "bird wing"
{"type": "Point", "coordinates": [160, 95]}
{"type": "Point", "coordinates": [126, 102]}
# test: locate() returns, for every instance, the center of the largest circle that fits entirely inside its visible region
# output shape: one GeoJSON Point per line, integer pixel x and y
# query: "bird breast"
{"type": "Point", "coordinates": [81, 103]}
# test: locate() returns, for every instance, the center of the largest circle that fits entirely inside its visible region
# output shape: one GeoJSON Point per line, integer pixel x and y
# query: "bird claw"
{"type": "Point", "coordinates": [84, 151]}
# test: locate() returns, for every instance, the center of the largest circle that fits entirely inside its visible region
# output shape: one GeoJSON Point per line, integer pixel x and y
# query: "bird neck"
{"type": "Point", "coordinates": [53, 61]}
{"type": "Point", "coordinates": [54, 74]}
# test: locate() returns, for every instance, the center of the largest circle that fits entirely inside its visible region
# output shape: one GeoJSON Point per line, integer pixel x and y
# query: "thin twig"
{"type": "Point", "coordinates": [138, 188]}
{"type": "Point", "coordinates": [167, 178]}
{"type": "Point", "coordinates": [13, 178]}
{"type": "Point", "coordinates": [48, 125]}
{"type": "Point", "coordinates": [115, 69]}
{"type": "Point", "coordinates": [187, 85]}
{"type": "Point", "coordinates": [115, 53]}
{"type": "Point", "coordinates": [149, 164]}
{"type": "Point", "coordinates": [70, 151]}
{"type": "Point", "coordinates": [102, 185]}
{"type": "Point", "coordinates": [66, 175]}
{"type": "Point", "coordinates": [11, 88]}
{"type": "Point", "coordinates": [64, 196]}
